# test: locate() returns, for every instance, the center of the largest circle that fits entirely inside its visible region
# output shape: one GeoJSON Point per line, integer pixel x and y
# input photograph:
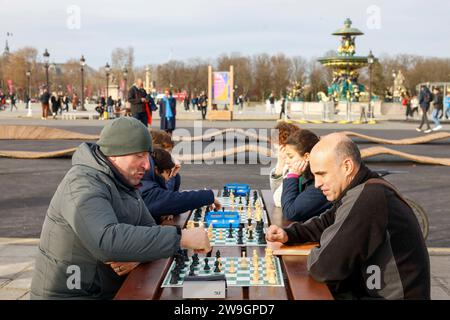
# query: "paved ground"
{"type": "Point", "coordinates": [28, 185]}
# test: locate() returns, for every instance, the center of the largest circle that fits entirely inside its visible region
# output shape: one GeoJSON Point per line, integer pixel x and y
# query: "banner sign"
{"type": "Point", "coordinates": [221, 88]}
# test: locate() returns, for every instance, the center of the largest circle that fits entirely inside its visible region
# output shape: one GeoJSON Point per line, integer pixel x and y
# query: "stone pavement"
{"type": "Point", "coordinates": [17, 262]}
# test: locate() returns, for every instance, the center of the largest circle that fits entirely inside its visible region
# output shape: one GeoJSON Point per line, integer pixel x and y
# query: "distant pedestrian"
{"type": "Point", "coordinates": [75, 101]}
{"type": "Point", "coordinates": [45, 102]}
{"type": "Point", "coordinates": [241, 103]}
{"type": "Point", "coordinates": [186, 103]}
{"type": "Point", "coordinates": [167, 112]}
{"type": "Point", "coordinates": [447, 105]}
{"type": "Point", "coordinates": [438, 107]}
{"type": "Point", "coordinates": [283, 107]}
{"type": "Point", "coordinates": [110, 107]}
{"type": "Point", "coordinates": [203, 104]}
{"type": "Point", "coordinates": [272, 103]}
{"type": "Point", "coordinates": [56, 104]}
{"type": "Point", "coordinates": [425, 97]}
{"type": "Point", "coordinates": [137, 99]}
{"type": "Point", "coordinates": [65, 101]}
{"type": "Point", "coordinates": [12, 98]}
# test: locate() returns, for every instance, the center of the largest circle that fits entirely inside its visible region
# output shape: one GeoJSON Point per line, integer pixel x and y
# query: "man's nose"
{"type": "Point", "coordinates": [317, 183]}
{"type": "Point", "coordinates": [146, 164]}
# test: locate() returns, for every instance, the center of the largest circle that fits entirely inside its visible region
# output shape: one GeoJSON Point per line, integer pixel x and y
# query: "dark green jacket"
{"type": "Point", "coordinates": [95, 217]}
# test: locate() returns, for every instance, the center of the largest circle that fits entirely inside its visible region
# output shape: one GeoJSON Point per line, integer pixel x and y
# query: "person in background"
{"type": "Point", "coordinates": [272, 103]}
{"type": "Point", "coordinates": [137, 97]}
{"type": "Point", "coordinates": [75, 101]}
{"type": "Point", "coordinates": [282, 131]}
{"type": "Point", "coordinates": [447, 105]}
{"type": "Point", "coordinates": [45, 103]}
{"type": "Point", "coordinates": [425, 97]}
{"type": "Point", "coordinates": [300, 200]}
{"type": "Point", "coordinates": [12, 98]}
{"type": "Point", "coordinates": [203, 104]}
{"type": "Point", "coordinates": [162, 203]}
{"type": "Point", "coordinates": [163, 140]}
{"type": "Point", "coordinates": [438, 107]}
{"type": "Point", "coordinates": [167, 112]}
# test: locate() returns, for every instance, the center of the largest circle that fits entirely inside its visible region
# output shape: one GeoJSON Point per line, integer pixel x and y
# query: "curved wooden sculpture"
{"type": "Point", "coordinates": [407, 141]}
{"type": "Point", "coordinates": [13, 132]}
{"type": "Point", "coordinates": [210, 156]}
{"type": "Point", "coordinates": [18, 132]}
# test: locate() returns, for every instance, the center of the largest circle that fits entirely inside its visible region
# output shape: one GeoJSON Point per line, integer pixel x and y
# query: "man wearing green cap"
{"type": "Point", "coordinates": [97, 227]}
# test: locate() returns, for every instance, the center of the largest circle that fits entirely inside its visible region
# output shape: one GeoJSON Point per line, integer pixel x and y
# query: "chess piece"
{"type": "Point", "coordinates": [243, 261]}
{"type": "Point", "coordinates": [232, 268]}
{"type": "Point", "coordinates": [217, 266]}
{"type": "Point", "coordinates": [249, 220]}
{"type": "Point", "coordinates": [192, 270]}
{"type": "Point", "coordinates": [240, 200]}
{"type": "Point", "coordinates": [218, 254]}
{"type": "Point", "coordinates": [250, 234]}
{"type": "Point", "coordinates": [206, 267]}
{"type": "Point", "coordinates": [255, 277]}
{"type": "Point", "coordinates": [230, 231]}
{"type": "Point", "coordinates": [174, 277]}
{"type": "Point", "coordinates": [220, 234]}
{"type": "Point", "coordinates": [239, 239]}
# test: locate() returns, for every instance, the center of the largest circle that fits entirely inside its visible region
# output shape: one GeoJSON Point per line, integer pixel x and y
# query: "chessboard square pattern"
{"type": "Point", "coordinates": [241, 277]}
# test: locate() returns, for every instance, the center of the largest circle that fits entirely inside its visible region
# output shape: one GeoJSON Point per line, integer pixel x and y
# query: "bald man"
{"type": "Point", "coordinates": [371, 245]}
{"type": "Point", "coordinates": [137, 97]}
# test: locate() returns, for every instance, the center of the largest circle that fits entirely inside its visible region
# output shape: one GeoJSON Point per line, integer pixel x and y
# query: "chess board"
{"type": "Point", "coordinates": [240, 278]}
{"type": "Point", "coordinates": [243, 215]}
{"type": "Point", "coordinates": [226, 202]}
{"type": "Point", "coordinates": [216, 241]}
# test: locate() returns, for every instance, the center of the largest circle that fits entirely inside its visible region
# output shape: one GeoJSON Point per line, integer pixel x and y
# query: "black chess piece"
{"type": "Point", "coordinates": [250, 235]}
{"type": "Point", "coordinates": [230, 231]}
{"type": "Point", "coordinates": [192, 270]}
{"type": "Point", "coordinates": [216, 265]}
{"type": "Point", "coordinates": [239, 239]}
{"type": "Point", "coordinates": [195, 259]}
{"type": "Point", "coordinates": [262, 237]}
{"type": "Point", "coordinates": [174, 277]}
{"type": "Point", "coordinates": [206, 267]}
{"type": "Point", "coordinates": [218, 254]}
{"type": "Point", "coordinates": [208, 254]}
{"type": "Point", "coordinates": [240, 200]}
{"type": "Point", "coordinates": [249, 220]}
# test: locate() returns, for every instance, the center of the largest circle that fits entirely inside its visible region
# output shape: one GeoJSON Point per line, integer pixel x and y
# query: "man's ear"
{"type": "Point", "coordinates": [307, 156]}
{"type": "Point", "coordinates": [349, 166]}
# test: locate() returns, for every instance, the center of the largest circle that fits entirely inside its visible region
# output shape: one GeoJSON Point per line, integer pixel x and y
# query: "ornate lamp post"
{"type": "Point", "coordinates": [370, 61]}
{"type": "Point", "coordinates": [82, 64]}
{"type": "Point", "coordinates": [394, 75]}
{"type": "Point", "coordinates": [28, 74]}
{"type": "Point", "coordinates": [125, 78]}
{"type": "Point", "coordinates": [46, 66]}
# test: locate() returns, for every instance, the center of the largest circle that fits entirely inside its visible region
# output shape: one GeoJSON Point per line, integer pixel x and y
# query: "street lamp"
{"type": "Point", "coordinates": [125, 78]}
{"type": "Point", "coordinates": [107, 70]}
{"type": "Point", "coordinates": [82, 64]}
{"type": "Point", "coordinates": [46, 66]}
{"type": "Point", "coordinates": [370, 61]}
{"type": "Point", "coordinates": [28, 74]}
{"type": "Point", "coordinates": [394, 75]}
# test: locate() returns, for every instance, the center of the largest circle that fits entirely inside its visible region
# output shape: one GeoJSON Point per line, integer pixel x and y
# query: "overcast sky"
{"type": "Point", "coordinates": [182, 29]}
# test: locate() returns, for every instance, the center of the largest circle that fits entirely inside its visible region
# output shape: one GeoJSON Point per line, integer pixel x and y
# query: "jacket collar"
{"type": "Point", "coordinates": [362, 176]}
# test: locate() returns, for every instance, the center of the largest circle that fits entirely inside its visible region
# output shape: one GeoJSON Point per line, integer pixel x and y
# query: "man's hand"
{"type": "Point", "coordinates": [196, 239]}
{"type": "Point", "coordinates": [144, 100]}
{"type": "Point", "coordinates": [276, 234]}
{"type": "Point", "coordinates": [123, 268]}
{"type": "Point", "coordinates": [216, 205]}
